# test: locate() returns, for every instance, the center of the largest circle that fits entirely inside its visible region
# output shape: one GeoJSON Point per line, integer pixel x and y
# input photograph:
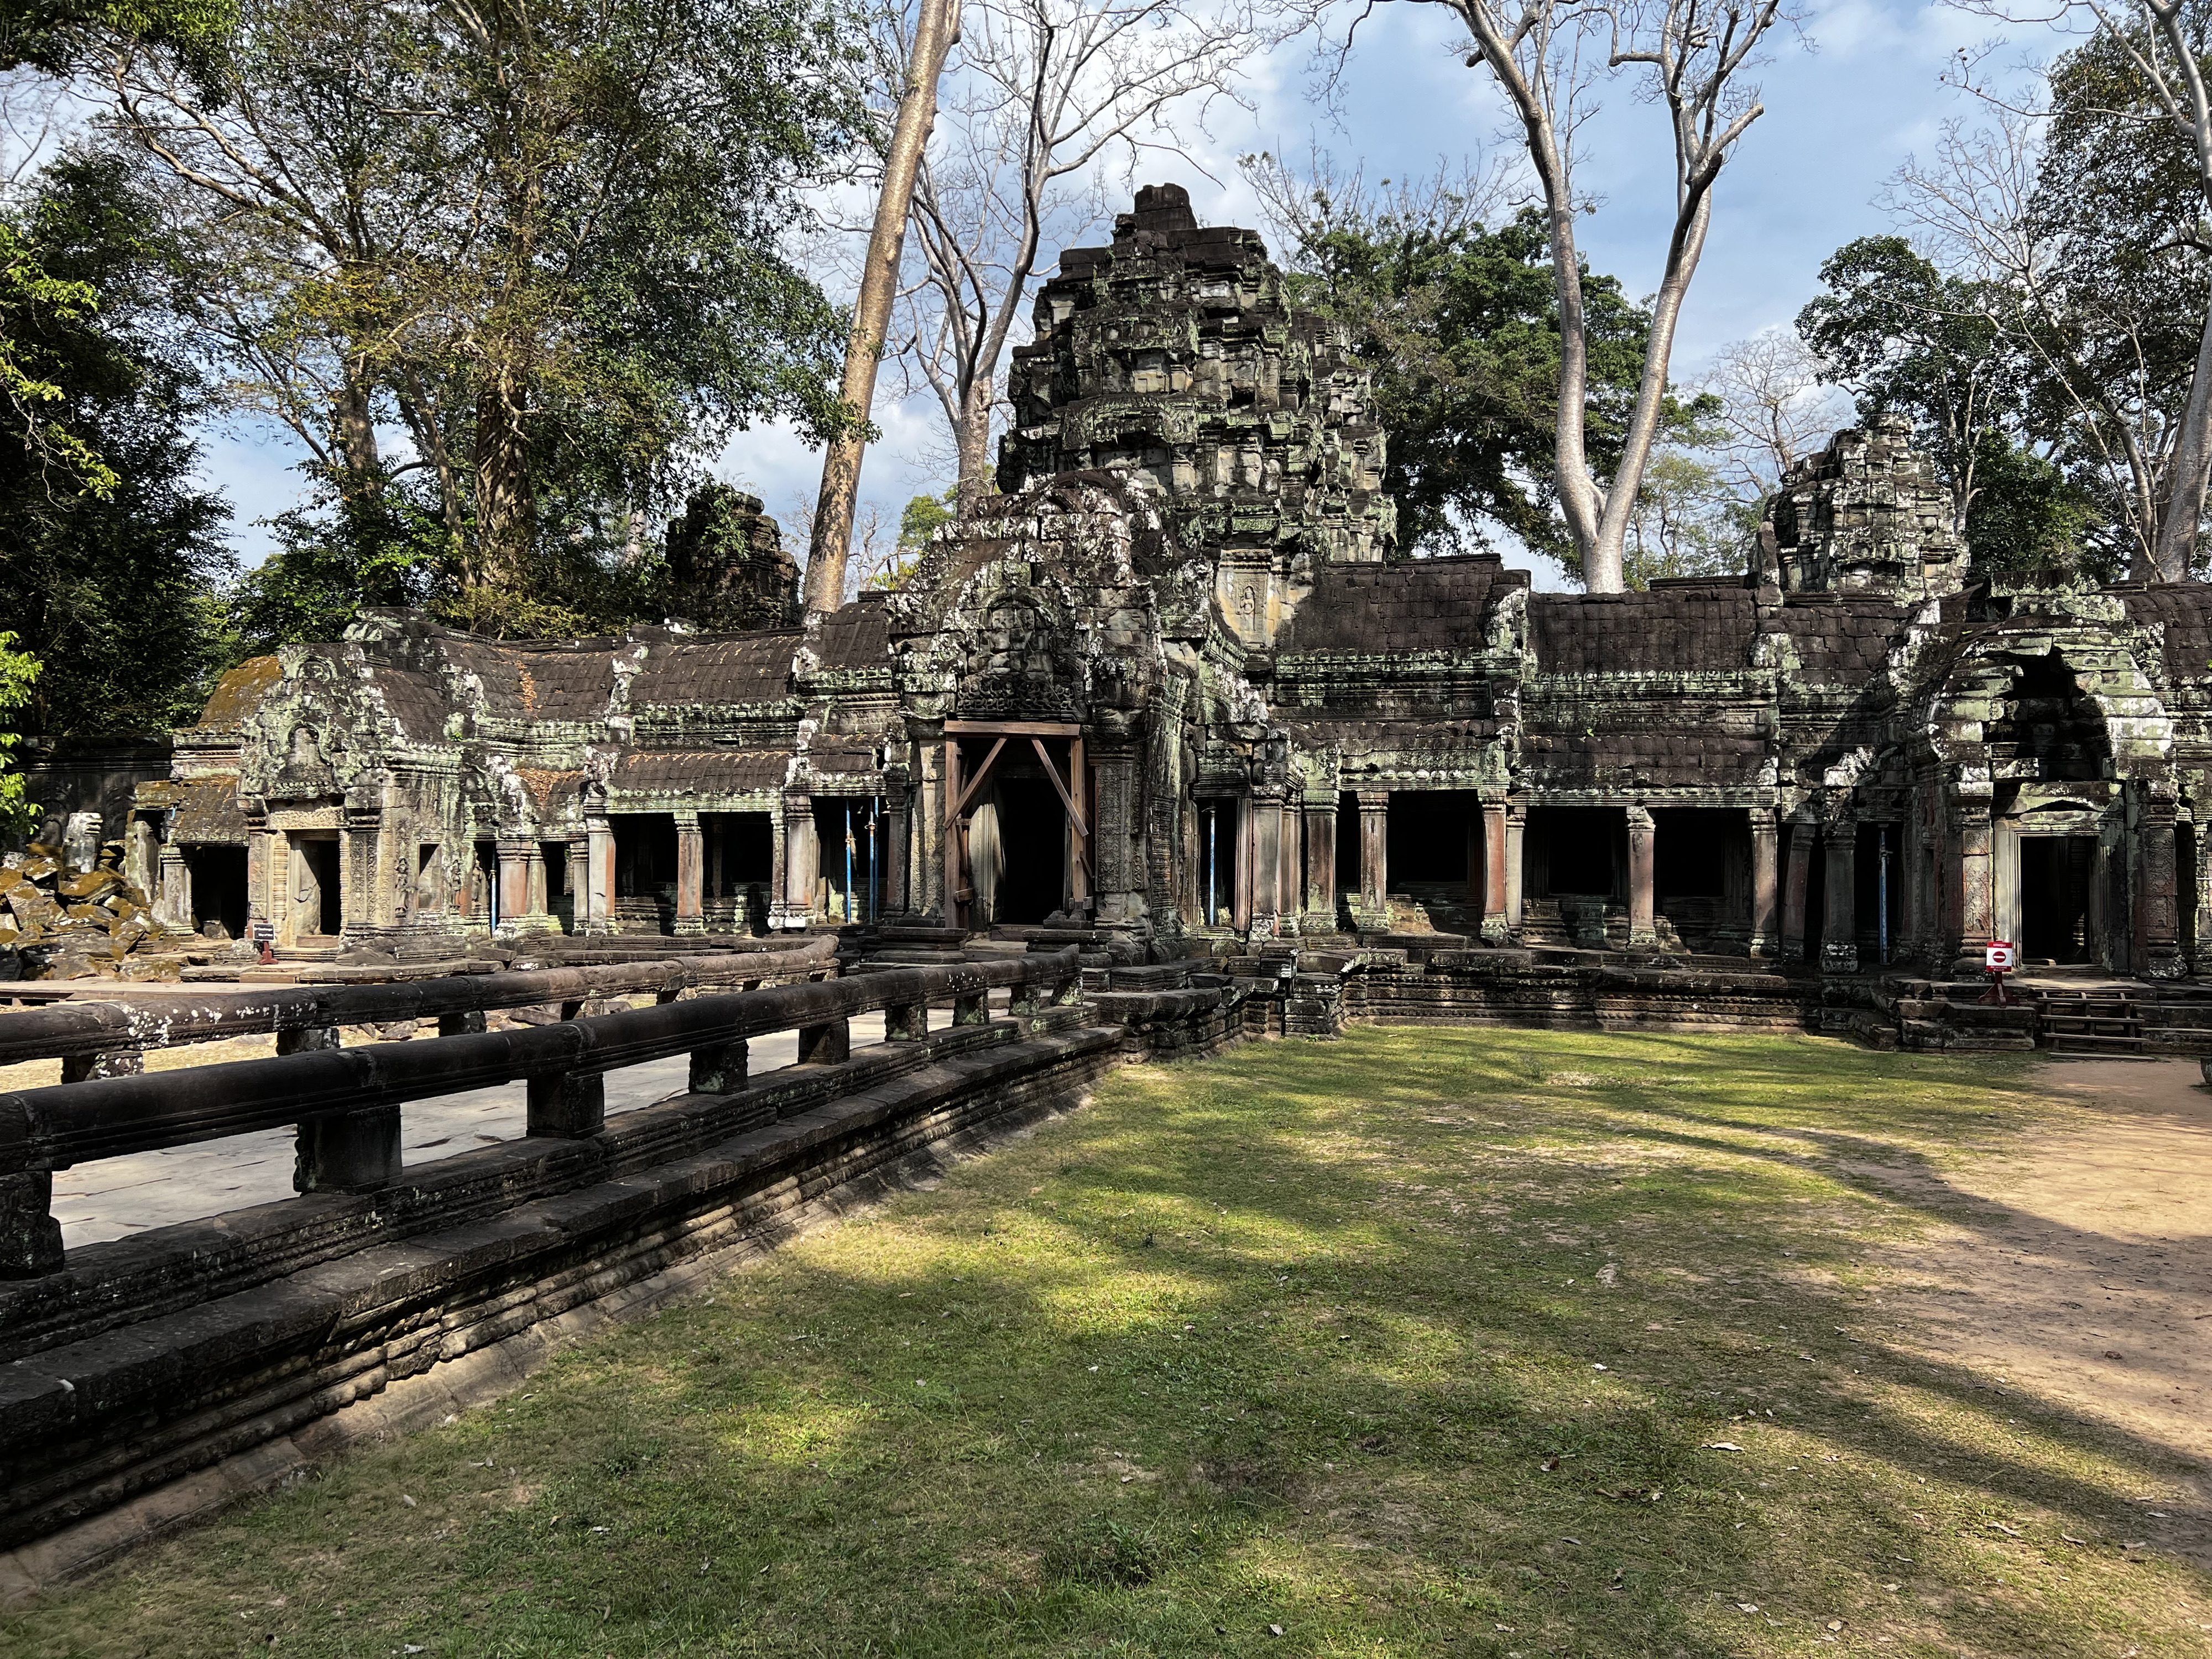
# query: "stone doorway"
{"type": "Point", "coordinates": [1019, 799]}
{"type": "Point", "coordinates": [218, 888]}
{"type": "Point", "coordinates": [2058, 876]}
{"type": "Point", "coordinates": [317, 909]}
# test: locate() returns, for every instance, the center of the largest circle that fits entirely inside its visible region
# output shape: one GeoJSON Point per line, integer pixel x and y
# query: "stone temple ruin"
{"type": "Point", "coordinates": [1173, 686]}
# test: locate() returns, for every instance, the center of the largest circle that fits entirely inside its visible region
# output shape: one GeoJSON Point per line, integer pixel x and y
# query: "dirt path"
{"type": "Point", "coordinates": [2079, 1268]}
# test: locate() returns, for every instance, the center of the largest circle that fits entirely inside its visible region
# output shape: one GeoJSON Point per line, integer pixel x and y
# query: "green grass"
{"type": "Point", "coordinates": [1406, 1345]}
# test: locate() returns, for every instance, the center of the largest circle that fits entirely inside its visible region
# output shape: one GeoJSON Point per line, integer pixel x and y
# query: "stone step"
{"type": "Point", "coordinates": [2084, 1042]}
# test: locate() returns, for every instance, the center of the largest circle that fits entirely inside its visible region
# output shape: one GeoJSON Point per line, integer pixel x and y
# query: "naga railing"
{"type": "Point", "coordinates": [347, 1102]}
{"type": "Point", "coordinates": [96, 1039]}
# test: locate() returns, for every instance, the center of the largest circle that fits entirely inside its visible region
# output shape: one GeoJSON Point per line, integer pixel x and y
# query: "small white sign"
{"type": "Point", "coordinates": [2001, 956]}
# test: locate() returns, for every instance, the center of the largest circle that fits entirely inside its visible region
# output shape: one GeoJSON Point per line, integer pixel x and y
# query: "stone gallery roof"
{"type": "Point", "coordinates": [731, 668]}
{"type": "Point", "coordinates": [1420, 605]}
{"type": "Point", "coordinates": [417, 701]}
{"type": "Point", "coordinates": [1680, 759]}
{"type": "Point", "coordinates": [1841, 640]}
{"type": "Point", "coordinates": [535, 682]}
{"type": "Point", "coordinates": [711, 771]}
{"type": "Point", "coordinates": [240, 692]}
{"type": "Point", "coordinates": [857, 636]}
{"type": "Point", "coordinates": [1703, 629]}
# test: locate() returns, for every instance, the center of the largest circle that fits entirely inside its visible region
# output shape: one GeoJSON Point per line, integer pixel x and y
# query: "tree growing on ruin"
{"type": "Point", "coordinates": [2112, 240]}
{"type": "Point", "coordinates": [1550, 59]}
{"type": "Point", "coordinates": [1459, 325]}
{"type": "Point", "coordinates": [1047, 97]}
{"type": "Point", "coordinates": [540, 240]}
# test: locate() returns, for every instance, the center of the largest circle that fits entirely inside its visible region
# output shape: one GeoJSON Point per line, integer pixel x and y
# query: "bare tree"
{"type": "Point", "coordinates": [1772, 408]}
{"type": "Point", "coordinates": [1549, 57]}
{"type": "Point", "coordinates": [2164, 43]}
{"type": "Point", "coordinates": [1970, 209]}
{"type": "Point", "coordinates": [937, 29]}
{"type": "Point", "coordinates": [1049, 94]}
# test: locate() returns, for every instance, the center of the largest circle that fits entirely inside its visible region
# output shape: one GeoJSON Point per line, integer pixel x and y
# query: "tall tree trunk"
{"type": "Point", "coordinates": [935, 31]}
{"type": "Point", "coordinates": [354, 431]}
{"type": "Point", "coordinates": [505, 507]}
{"type": "Point", "coordinates": [2186, 471]}
{"type": "Point", "coordinates": [977, 482]}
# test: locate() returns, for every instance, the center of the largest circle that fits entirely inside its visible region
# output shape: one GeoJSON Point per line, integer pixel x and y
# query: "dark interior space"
{"type": "Point", "coordinates": [1348, 842]}
{"type": "Point", "coordinates": [1582, 850]}
{"type": "Point", "coordinates": [2055, 873]}
{"type": "Point", "coordinates": [1033, 829]}
{"type": "Point", "coordinates": [555, 856]}
{"type": "Point", "coordinates": [1816, 882]}
{"type": "Point", "coordinates": [2184, 885]}
{"type": "Point", "coordinates": [1690, 850]}
{"type": "Point", "coordinates": [1879, 899]}
{"type": "Point", "coordinates": [842, 825]}
{"type": "Point", "coordinates": [322, 858]}
{"type": "Point", "coordinates": [218, 876]}
{"type": "Point", "coordinates": [748, 851]}
{"type": "Point", "coordinates": [1428, 836]}
{"type": "Point", "coordinates": [2050, 720]}
{"type": "Point", "coordinates": [645, 853]}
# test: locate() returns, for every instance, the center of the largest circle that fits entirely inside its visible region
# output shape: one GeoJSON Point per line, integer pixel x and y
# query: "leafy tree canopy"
{"type": "Point", "coordinates": [110, 562]}
{"type": "Point", "coordinates": [1460, 325]}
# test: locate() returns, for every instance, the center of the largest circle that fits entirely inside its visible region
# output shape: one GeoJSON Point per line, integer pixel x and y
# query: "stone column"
{"type": "Point", "coordinates": [1970, 835]}
{"type": "Point", "coordinates": [1839, 927]}
{"type": "Point", "coordinates": [1642, 934]}
{"type": "Point", "coordinates": [1240, 879]}
{"type": "Point", "coordinates": [1516, 836]}
{"type": "Point", "coordinates": [1496, 929]}
{"type": "Point", "coordinates": [690, 875]}
{"type": "Point", "coordinates": [1266, 874]}
{"type": "Point", "coordinates": [1374, 907]}
{"type": "Point", "coordinates": [579, 883]}
{"type": "Point", "coordinates": [141, 855]}
{"type": "Point", "coordinates": [1116, 864]}
{"type": "Point", "coordinates": [1765, 899]}
{"type": "Point", "coordinates": [893, 839]}
{"type": "Point", "coordinates": [1290, 869]}
{"type": "Point", "coordinates": [1795, 884]}
{"type": "Point", "coordinates": [173, 894]}
{"type": "Point", "coordinates": [801, 859]}
{"type": "Point", "coordinates": [514, 881]}
{"type": "Point", "coordinates": [597, 895]}
{"type": "Point", "coordinates": [1320, 866]}
{"type": "Point", "coordinates": [2157, 953]}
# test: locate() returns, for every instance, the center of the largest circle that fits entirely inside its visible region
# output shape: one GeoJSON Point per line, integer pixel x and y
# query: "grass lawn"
{"type": "Point", "coordinates": [1418, 1343]}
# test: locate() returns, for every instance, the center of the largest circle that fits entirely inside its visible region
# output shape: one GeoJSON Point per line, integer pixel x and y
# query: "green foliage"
{"type": "Point", "coordinates": [1459, 325]}
{"type": "Point", "coordinates": [2028, 516]}
{"type": "Point", "coordinates": [1964, 363]}
{"type": "Point", "coordinates": [19, 669]}
{"type": "Point", "coordinates": [546, 242]}
{"type": "Point", "coordinates": [1688, 521]}
{"type": "Point", "coordinates": [917, 522]}
{"type": "Point", "coordinates": [109, 572]}
{"type": "Point", "coordinates": [53, 35]}
{"type": "Point", "coordinates": [337, 555]}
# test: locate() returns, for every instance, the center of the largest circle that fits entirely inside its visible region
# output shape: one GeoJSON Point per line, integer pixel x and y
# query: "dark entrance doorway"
{"type": "Point", "coordinates": [2056, 873]}
{"type": "Point", "coordinates": [320, 910]}
{"type": "Point", "coordinates": [1033, 831]}
{"type": "Point", "coordinates": [218, 879]}
{"type": "Point", "coordinates": [1579, 850]}
{"type": "Point", "coordinates": [1018, 797]}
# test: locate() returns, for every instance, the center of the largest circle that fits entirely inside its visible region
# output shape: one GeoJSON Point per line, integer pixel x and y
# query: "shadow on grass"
{"type": "Point", "coordinates": [1287, 1338]}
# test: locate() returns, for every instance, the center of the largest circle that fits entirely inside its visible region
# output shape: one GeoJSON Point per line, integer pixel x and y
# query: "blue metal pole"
{"type": "Point", "coordinates": [1213, 874]}
{"type": "Point", "coordinates": [1881, 899]}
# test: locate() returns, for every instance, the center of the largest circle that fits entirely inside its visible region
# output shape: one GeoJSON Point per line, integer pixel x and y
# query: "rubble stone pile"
{"type": "Point", "coordinates": [59, 922]}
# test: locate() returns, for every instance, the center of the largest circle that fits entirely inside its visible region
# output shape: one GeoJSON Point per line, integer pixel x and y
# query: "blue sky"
{"type": "Point", "coordinates": [1846, 101]}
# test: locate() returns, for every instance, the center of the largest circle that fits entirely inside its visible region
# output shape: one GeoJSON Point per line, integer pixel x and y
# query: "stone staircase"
{"type": "Point", "coordinates": [2104, 1020]}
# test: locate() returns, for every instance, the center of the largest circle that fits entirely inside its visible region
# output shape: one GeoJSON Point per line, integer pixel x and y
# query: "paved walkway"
{"type": "Point", "coordinates": [119, 1196]}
